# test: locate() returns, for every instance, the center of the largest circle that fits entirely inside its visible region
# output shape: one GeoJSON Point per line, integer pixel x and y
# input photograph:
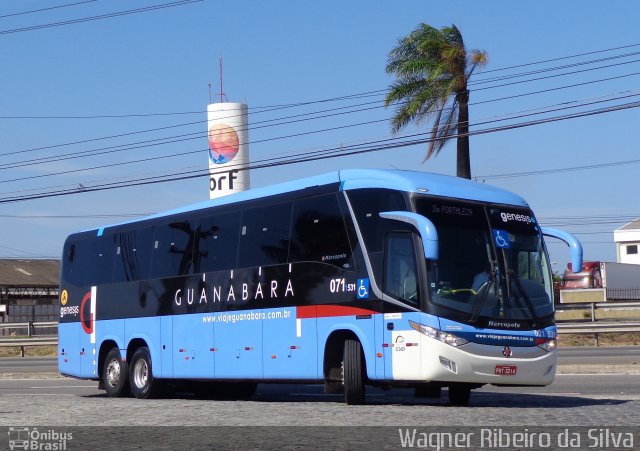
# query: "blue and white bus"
{"type": "Point", "coordinates": [354, 278]}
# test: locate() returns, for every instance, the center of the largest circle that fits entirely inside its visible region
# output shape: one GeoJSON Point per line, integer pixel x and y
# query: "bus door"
{"type": "Point", "coordinates": [401, 343]}
{"type": "Point", "coordinates": [88, 355]}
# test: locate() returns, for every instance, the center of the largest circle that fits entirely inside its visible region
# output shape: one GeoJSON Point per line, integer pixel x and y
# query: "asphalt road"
{"type": "Point", "coordinates": [289, 416]}
{"type": "Point", "coordinates": [28, 365]}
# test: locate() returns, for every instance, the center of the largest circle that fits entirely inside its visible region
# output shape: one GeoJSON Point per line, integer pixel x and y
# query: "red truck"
{"type": "Point", "coordinates": [600, 282]}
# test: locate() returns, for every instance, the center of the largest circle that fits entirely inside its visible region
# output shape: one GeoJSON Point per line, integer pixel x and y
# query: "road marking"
{"type": "Point", "coordinates": [372, 395]}
{"type": "Point", "coordinates": [39, 394]}
{"type": "Point", "coordinates": [531, 393]}
{"type": "Point", "coordinates": [594, 374]}
{"type": "Point", "coordinates": [68, 386]}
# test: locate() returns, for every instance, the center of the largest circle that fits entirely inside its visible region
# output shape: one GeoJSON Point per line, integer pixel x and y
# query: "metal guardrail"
{"type": "Point", "coordinates": [594, 326]}
{"type": "Point", "coordinates": [32, 338]}
{"type": "Point", "coordinates": [29, 325]}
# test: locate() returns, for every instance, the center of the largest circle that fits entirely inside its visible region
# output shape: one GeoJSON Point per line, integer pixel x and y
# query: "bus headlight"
{"type": "Point", "coordinates": [432, 332]}
{"type": "Point", "coordinates": [548, 344]}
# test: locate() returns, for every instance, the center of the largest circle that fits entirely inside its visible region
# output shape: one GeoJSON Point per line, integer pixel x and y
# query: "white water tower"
{"type": "Point", "coordinates": [228, 135]}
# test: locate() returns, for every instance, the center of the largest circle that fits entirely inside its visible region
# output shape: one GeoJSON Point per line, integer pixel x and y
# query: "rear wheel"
{"type": "Point", "coordinates": [353, 372]}
{"type": "Point", "coordinates": [115, 377]}
{"type": "Point", "coordinates": [143, 384]}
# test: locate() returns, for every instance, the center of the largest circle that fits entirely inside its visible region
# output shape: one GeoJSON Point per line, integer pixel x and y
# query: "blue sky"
{"type": "Point", "coordinates": [55, 81]}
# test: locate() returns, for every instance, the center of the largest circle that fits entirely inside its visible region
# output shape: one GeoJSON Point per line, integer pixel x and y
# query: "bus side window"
{"type": "Point", "coordinates": [74, 265]}
{"type": "Point", "coordinates": [216, 242]}
{"type": "Point", "coordinates": [172, 253]}
{"type": "Point", "coordinates": [400, 268]}
{"type": "Point", "coordinates": [132, 259]}
{"type": "Point", "coordinates": [367, 204]}
{"type": "Point", "coordinates": [318, 232]}
{"type": "Point", "coordinates": [264, 235]}
{"type": "Point", "coordinates": [99, 267]}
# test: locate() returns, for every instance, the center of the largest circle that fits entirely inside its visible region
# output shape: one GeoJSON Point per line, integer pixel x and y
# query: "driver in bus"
{"type": "Point", "coordinates": [479, 280]}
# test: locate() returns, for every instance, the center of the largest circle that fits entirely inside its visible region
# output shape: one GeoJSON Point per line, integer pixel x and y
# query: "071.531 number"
{"type": "Point", "coordinates": [341, 286]}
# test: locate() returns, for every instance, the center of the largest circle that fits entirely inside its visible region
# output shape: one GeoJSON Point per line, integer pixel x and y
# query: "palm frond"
{"type": "Point", "coordinates": [432, 68]}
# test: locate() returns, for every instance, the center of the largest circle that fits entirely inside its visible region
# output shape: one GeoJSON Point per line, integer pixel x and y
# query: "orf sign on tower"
{"type": "Point", "coordinates": [228, 148]}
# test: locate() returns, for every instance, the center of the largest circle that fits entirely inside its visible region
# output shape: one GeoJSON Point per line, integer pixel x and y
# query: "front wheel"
{"type": "Point", "coordinates": [143, 384]}
{"type": "Point", "coordinates": [353, 372]}
{"type": "Point", "coordinates": [115, 375]}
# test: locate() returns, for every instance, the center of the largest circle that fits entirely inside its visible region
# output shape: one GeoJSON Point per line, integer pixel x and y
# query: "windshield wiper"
{"type": "Point", "coordinates": [479, 303]}
{"type": "Point", "coordinates": [512, 274]}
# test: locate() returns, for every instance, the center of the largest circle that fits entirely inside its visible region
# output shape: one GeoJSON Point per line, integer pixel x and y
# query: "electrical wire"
{"type": "Point", "coordinates": [46, 9]}
{"type": "Point", "coordinates": [321, 150]}
{"type": "Point", "coordinates": [198, 135]}
{"type": "Point", "coordinates": [99, 17]}
{"type": "Point", "coordinates": [545, 110]}
{"type": "Point", "coordinates": [325, 155]}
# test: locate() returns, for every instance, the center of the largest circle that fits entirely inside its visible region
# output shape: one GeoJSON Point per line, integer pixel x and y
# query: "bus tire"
{"type": "Point", "coordinates": [115, 374]}
{"type": "Point", "coordinates": [353, 372]}
{"type": "Point", "coordinates": [459, 395]}
{"type": "Point", "coordinates": [143, 384]}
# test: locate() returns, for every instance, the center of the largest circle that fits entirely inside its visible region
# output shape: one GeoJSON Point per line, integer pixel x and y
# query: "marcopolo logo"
{"type": "Point", "coordinates": [32, 439]}
{"type": "Point", "coordinates": [507, 217]}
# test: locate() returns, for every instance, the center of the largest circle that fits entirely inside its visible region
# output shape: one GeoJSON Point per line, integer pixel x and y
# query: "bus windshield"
{"type": "Point", "coordinates": [492, 264]}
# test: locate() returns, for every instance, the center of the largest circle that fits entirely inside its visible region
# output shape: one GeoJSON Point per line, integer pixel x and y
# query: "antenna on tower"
{"type": "Point", "coordinates": [223, 96]}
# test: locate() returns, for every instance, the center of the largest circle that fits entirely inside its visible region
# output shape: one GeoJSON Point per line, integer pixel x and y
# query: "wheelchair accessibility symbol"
{"type": "Point", "coordinates": [501, 238]}
{"type": "Point", "coordinates": [363, 289]}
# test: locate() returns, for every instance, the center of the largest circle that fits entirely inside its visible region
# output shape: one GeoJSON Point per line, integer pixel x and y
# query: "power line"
{"type": "Point", "coordinates": [556, 170]}
{"type": "Point", "coordinates": [46, 9]}
{"type": "Point", "coordinates": [339, 152]}
{"type": "Point", "coordinates": [577, 55]}
{"type": "Point", "coordinates": [551, 69]}
{"type": "Point", "coordinates": [156, 157]}
{"type": "Point", "coordinates": [367, 93]}
{"type": "Point", "coordinates": [322, 150]}
{"type": "Point", "coordinates": [198, 135]}
{"type": "Point", "coordinates": [99, 17]}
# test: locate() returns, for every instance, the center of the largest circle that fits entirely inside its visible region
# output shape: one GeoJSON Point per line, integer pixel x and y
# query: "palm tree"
{"type": "Point", "coordinates": [432, 68]}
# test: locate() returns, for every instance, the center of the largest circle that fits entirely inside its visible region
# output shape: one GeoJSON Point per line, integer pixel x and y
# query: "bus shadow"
{"type": "Point", "coordinates": [547, 401]}
{"type": "Point", "coordinates": [268, 393]}
{"type": "Point", "coordinates": [478, 399]}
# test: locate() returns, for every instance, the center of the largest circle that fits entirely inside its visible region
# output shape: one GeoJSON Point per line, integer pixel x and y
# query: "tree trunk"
{"type": "Point", "coordinates": [463, 162]}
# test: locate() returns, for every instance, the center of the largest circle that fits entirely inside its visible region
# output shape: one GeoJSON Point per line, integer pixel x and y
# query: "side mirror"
{"type": "Point", "coordinates": [575, 247]}
{"type": "Point", "coordinates": [425, 227]}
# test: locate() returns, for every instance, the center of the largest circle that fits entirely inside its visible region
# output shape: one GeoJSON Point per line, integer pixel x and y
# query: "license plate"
{"type": "Point", "coordinates": [506, 370]}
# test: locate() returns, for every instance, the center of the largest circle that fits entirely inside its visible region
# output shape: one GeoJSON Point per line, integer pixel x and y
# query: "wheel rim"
{"type": "Point", "coordinates": [113, 373]}
{"type": "Point", "coordinates": [141, 373]}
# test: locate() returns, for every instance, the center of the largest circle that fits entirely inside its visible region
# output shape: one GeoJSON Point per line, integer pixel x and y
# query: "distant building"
{"type": "Point", "coordinates": [627, 239]}
{"type": "Point", "coordinates": [28, 289]}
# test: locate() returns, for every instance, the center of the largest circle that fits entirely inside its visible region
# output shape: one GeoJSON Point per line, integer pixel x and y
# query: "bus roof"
{"type": "Point", "coordinates": [408, 181]}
